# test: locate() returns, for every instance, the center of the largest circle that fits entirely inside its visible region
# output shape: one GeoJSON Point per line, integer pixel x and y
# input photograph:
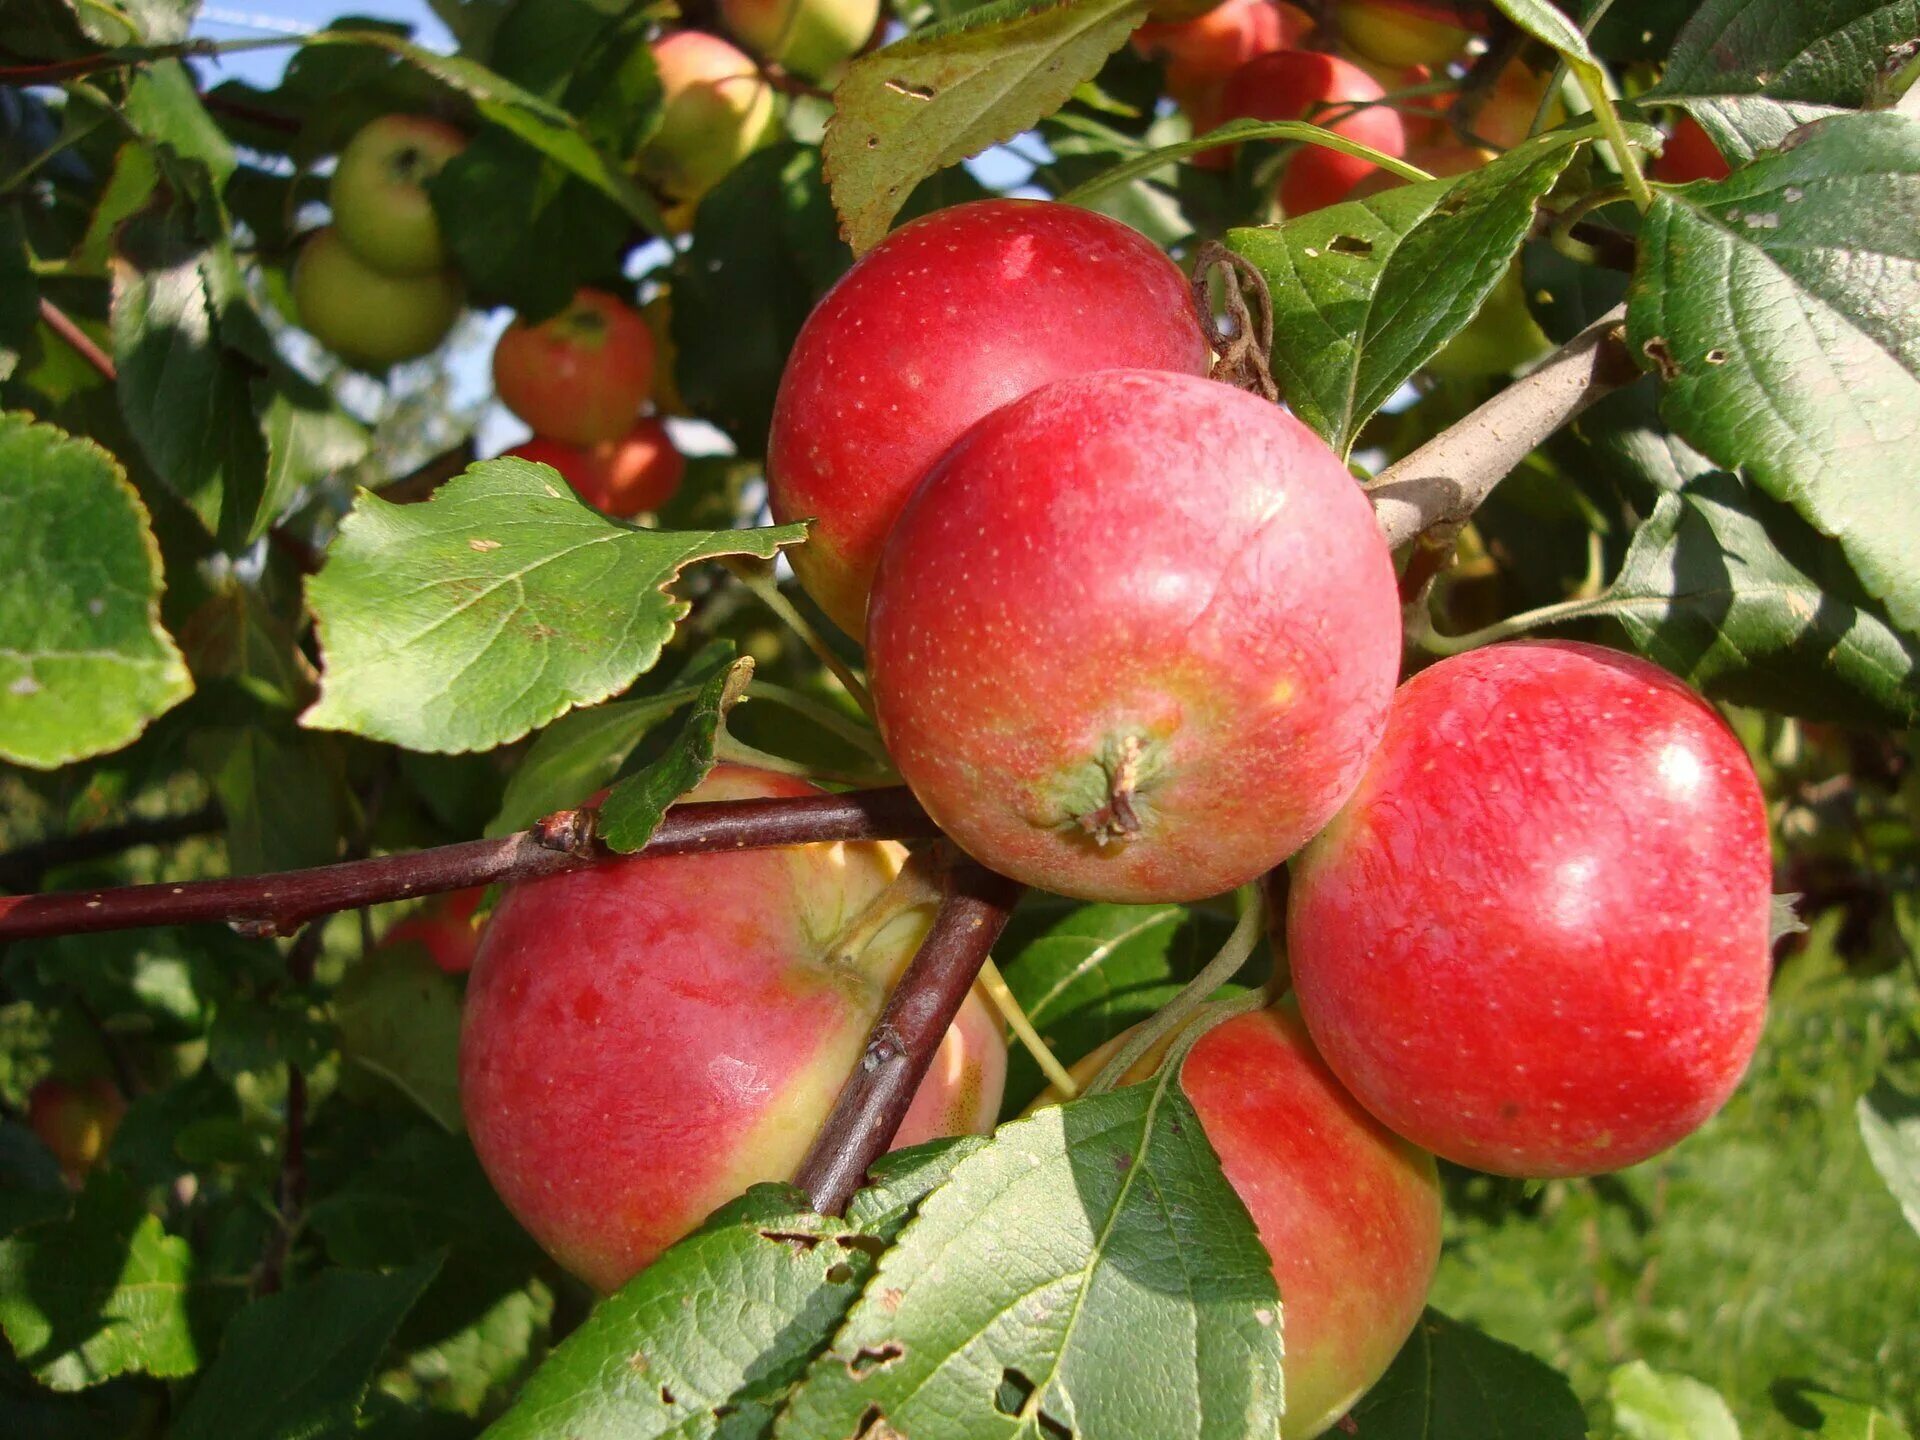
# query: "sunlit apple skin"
{"type": "Point", "coordinates": [579, 376]}
{"type": "Point", "coordinates": [1689, 154]}
{"type": "Point", "coordinates": [1349, 1213]}
{"type": "Point", "coordinates": [379, 194]}
{"type": "Point", "coordinates": [945, 320]}
{"type": "Point", "coordinates": [645, 1039]}
{"type": "Point", "coordinates": [364, 316]}
{"type": "Point", "coordinates": [76, 1122]}
{"type": "Point", "coordinates": [717, 107]}
{"type": "Point", "coordinates": [1145, 562]}
{"type": "Point", "coordinates": [1535, 940]}
{"type": "Point", "coordinates": [1402, 32]}
{"type": "Point", "coordinates": [634, 475]}
{"type": "Point", "coordinates": [444, 928]}
{"type": "Point", "coordinates": [1287, 85]}
{"type": "Point", "coordinates": [1201, 53]}
{"type": "Point", "coordinates": [813, 38]}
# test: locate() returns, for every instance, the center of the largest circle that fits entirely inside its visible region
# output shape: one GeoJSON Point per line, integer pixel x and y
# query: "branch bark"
{"type": "Point", "coordinates": [277, 904]}
{"type": "Point", "coordinates": [902, 1043]}
{"type": "Point", "coordinates": [1442, 483]}
{"type": "Point", "coordinates": [21, 869]}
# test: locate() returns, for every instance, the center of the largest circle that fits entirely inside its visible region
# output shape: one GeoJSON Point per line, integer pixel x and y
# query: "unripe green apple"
{"type": "Point", "coordinates": [1402, 32]}
{"type": "Point", "coordinates": [1498, 340]}
{"type": "Point", "coordinates": [813, 38]}
{"type": "Point", "coordinates": [379, 192]}
{"type": "Point", "coordinates": [716, 111]}
{"type": "Point", "coordinates": [364, 316]}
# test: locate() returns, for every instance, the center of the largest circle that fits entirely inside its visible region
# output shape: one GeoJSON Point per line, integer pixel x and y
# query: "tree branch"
{"type": "Point", "coordinates": [1443, 482]}
{"type": "Point", "coordinates": [21, 869]}
{"type": "Point", "coordinates": [277, 904]}
{"type": "Point", "coordinates": [902, 1043]}
{"type": "Point", "coordinates": [63, 325]}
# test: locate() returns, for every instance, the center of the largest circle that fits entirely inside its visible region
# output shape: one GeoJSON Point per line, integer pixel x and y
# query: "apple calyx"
{"type": "Point", "coordinates": [412, 165]}
{"type": "Point", "coordinates": [1116, 779]}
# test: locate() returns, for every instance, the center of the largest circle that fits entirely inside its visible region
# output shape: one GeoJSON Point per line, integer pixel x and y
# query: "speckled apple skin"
{"type": "Point", "coordinates": [945, 320]}
{"type": "Point", "coordinates": [1536, 940]}
{"type": "Point", "coordinates": [644, 1040]}
{"type": "Point", "coordinates": [1135, 554]}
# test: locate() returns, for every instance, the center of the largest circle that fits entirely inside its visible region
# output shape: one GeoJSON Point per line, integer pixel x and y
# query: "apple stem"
{"type": "Point", "coordinates": [1008, 1004]}
{"type": "Point", "coordinates": [901, 1045]}
{"type": "Point", "coordinates": [918, 884]}
{"type": "Point", "coordinates": [1117, 819]}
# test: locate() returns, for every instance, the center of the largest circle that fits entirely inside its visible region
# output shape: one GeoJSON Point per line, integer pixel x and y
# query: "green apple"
{"type": "Point", "coordinates": [813, 38]}
{"type": "Point", "coordinates": [379, 192]}
{"type": "Point", "coordinates": [364, 316]}
{"type": "Point", "coordinates": [716, 112]}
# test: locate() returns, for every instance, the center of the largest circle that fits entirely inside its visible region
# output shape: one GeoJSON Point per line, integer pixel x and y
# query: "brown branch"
{"type": "Point", "coordinates": [63, 325]}
{"type": "Point", "coordinates": [277, 904]}
{"type": "Point", "coordinates": [1445, 480]}
{"type": "Point", "coordinates": [420, 482]}
{"type": "Point", "coordinates": [902, 1043]}
{"type": "Point", "coordinates": [22, 869]}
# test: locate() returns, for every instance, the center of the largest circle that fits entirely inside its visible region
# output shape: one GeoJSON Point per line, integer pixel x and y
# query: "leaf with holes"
{"type": "Point", "coordinates": [951, 90]}
{"type": "Point", "coordinates": [1781, 309]}
{"type": "Point", "coordinates": [1750, 71]}
{"type": "Point", "coordinates": [1367, 291]}
{"type": "Point", "coordinates": [1026, 1295]}
{"type": "Point", "coordinates": [1440, 1387]}
{"type": "Point", "coordinates": [466, 621]}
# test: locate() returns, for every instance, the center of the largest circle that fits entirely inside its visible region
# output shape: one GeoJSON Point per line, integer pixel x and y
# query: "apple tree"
{"type": "Point", "coordinates": [1092, 719]}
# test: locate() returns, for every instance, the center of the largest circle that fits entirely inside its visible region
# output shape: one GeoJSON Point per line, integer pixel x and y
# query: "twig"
{"type": "Point", "coordinates": [55, 71]}
{"type": "Point", "coordinates": [62, 324]}
{"type": "Point", "coordinates": [419, 483]}
{"type": "Point", "coordinates": [1011, 1011]}
{"type": "Point", "coordinates": [901, 1046]}
{"type": "Point", "coordinates": [21, 869]}
{"type": "Point", "coordinates": [1445, 480]}
{"type": "Point", "coordinates": [277, 904]}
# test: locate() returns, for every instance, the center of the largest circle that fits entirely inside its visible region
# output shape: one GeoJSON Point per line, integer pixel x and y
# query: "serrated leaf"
{"type": "Point", "coordinates": [99, 1294]}
{"type": "Point", "coordinates": [470, 619]}
{"type": "Point", "coordinates": [309, 439]}
{"type": "Point", "coordinates": [1833, 1417]}
{"type": "Point", "coordinates": [399, 1018]}
{"type": "Point", "coordinates": [297, 1364]}
{"type": "Point", "coordinates": [952, 90]}
{"type": "Point", "coordinates": [84, 663]}
{"type": "Point", "coordinates": [634, 808]}
{"type": "Point", "coordinates": [1734, 593]}
{"type": "Point", "coordinates": [1442, 1383]}
{"type": "Point", "coordinates": [163, 106]}
{"type": "Point", "coordinates": [1890, 1125]}
{"type": "Point", "coordinates": [1750, 71]}
{"type": "Point", "coordinates": [1650, 1405]}
{"type": "Point", "coordinates": [1050, 1265]}
{"type": "Point", "coordinates": [1367, 291]}
{"type": "Point", "coordinates": [1781, 308]}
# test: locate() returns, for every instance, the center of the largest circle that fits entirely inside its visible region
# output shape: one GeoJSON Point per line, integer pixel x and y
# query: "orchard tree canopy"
{"type": "Point", "coordinates": [1081, 719]}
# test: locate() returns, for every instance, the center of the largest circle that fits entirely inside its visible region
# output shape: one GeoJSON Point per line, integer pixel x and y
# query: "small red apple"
{"type": "Point", "coordinates": [1690, 154]}
{"type": "Point", "coordinates": [634, 475]}
{"type": "Point", "coordinates": [1535, 940]}
{"type": "Point", "coordinates": [579, 376]}
{"type": "Point", "coordinates": [946, 319]}
{"type": "Point", "coordinates": [1295, 85]}
{"type": "Point", "coordinates": [379, 192]}
{"type": "Point", "coordinates": [1134, 637]}
{"type": "Point", "coordinates": [76, 1122]}
{"type": "Point", "coordinates": [365, 316]}
{"type": "Point", "coordinates": [1439, 161]}
{"type": "Point", "coordinates": [1404, 32]}
{"type": "Point", "coordinates": [645, 1039]}
{"type": "Point", "coordinates": [1201, 53]}
{"type": "Point", "coordinates": [717, 108]}
{"type": "Point", "coordinates": [444, 928]}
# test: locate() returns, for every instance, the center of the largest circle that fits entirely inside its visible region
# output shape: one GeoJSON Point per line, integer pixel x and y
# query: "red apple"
{"type": "Point", "coordinates": [579, 376]}
{"type": "Point", "coordinates": [1438, 161]}
{"type": "Point", "coordinates": [1505, 117]}
{"type": "Point", "coordinates": [1422, 117]}
{"type": "Point", "coordinates": [76, 1122]}
{"type": "Point", "coordinates": [1690, 154]}
{"type": "Point", "coordinates": [1134, 637]}
{"type": "Point", "coordinates": [1295, 85]}
{"type": "Point", "coordinates": [645, 1039]}
{"type": "Point", "coordinates": [634, 475]}
{"type": "Point", "coordinates": [945, 320]}
{"type": "Point", "coordinates": [444, 928]}
{"type": "Point", "coordinates": [1348, 1212]}
{"type": "Point", "coordinates": [1535, 941]}
{"type": "Point", "coordinates": [366, 317]}
{"type": "Point", "coordinates": [379, 192]}
{"type": "Point", "coordinates": [814, 38]}
{"type": "Point", "coordinates": [1201, 53]}
{"type": "Point", "coordinates": [1403, 32]}
{"type": "Point", "coordinates": [717, 108]}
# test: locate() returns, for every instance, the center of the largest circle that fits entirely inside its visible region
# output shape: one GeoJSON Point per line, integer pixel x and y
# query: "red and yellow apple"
{"type": "Point", "coordinates": [717, 108]}
{"type": "Point", "coordinates": [76, 1121]}
{"type": "Point", "coordinates": [1404, 32]}
{"type": "Point", "coordinates": [580, 376]}
{"type": "Point", "coordinates": [1201, 53]}
{"type": "Point", "coordinates": [379, 192]}
{"type": "Point", "coordinates": [365, 316]}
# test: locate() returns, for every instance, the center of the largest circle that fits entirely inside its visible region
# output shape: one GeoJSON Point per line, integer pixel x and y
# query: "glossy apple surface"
{"type": "Point", "coordinates": [1201, 53]}
{"type": "Point", "coordinates": [379, 192]}
{"type": "Point", "coordinates": [645, 1039]}
{"type": "Point", "coordinates": [1134, 637]}
{"type": "Point", "coordinates": [1402, 32]}
{"type": "Point", "coordinates": [1295, 85]}
{"type": "Point", "coordinates": [368, 318]}
{"type": "Point", "coordinates": [814, 38]}
{"type": "Point", "coordinates": [948, 318]}
{"type": "Point", "coordinates": [717, 107]}
{"type": "Point", "coordinates": [1535, 940]}
{"type": "Point", "coordinates": [1689, 154]}
{"type": "Point", "coordinates": [444, 928]}
{"type": "Point", "coordinates": [580, 376]}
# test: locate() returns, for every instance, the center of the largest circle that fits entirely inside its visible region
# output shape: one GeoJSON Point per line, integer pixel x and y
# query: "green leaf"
{"type": "Point", "coordinates": [1890, 1126]}
{"type": "Point", "coordinates": [309, 440]}
{"type": "Point", "coordinates": [634, 808]}
{"type": "Point", "coordinates": [1832, 1417]}
{"type": "Point", "coordinates": [1367, 291]}
{"type": "Point", "coordinates": [399, 1018]}
{"type": "Point", "coordinates": [1781, 308]}
{"type": "Point", "coordinates": [470, 619]}
{"type": "Point", "coordinates": [1750, 71]}
{"type": "Point", "coordinates": [1734, 593]}
{"type": "Point", "coordinates": [277, 791]}
{"type": "Point", "coordinates": [424, 1194]}
{"type": "Point", "coordinates": [32, 1190]}
{"type": "Point", "coordinates": [951, 91]}
{"type": "Point", "coordinates": [1137, 1301]}
{"type": "Point", "coordinates": [1444, 1383]}
{"type": "Point", "coordinates": [1649, 1405]}
{"type": "Point", "coordinates": [1550, 25]}
{"type": "Point", "coordinates": [163, 106]}
{"type": "Point", "coordinates": [255, 1035]}
{"type": "Point", "coordinates": [298, 1364]}
{"type": "Point", "coordinates": [84, 664]}
{"type": "Point", "coordinates": [99, 1294]}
